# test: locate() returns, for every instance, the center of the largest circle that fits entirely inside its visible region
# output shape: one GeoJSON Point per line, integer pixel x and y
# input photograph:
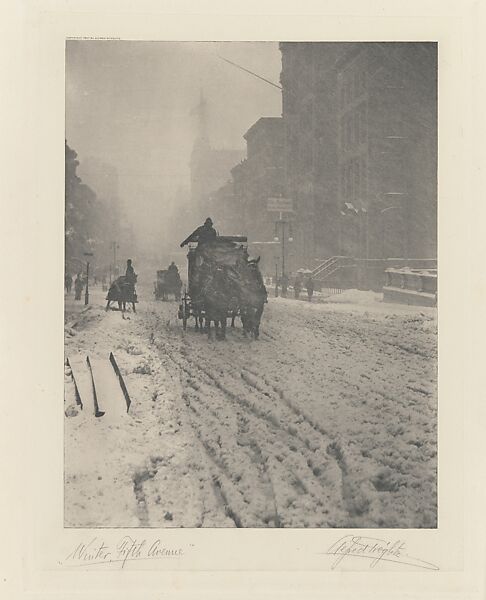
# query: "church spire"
{"type": "Point", "coordinates": [201, 113]}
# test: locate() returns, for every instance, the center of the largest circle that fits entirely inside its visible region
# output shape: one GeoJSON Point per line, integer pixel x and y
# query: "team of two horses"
{"type": "Point", "coordinates": [230, 291]}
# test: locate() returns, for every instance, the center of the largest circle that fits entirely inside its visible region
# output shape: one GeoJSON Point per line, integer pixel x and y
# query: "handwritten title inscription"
{"type": "Point", "coordinates": [128, 549]}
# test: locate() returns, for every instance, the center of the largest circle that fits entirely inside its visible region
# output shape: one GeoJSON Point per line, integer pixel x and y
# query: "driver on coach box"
{"type": "Point", "coordinates": [204, 233]}
{"type": "Point", "coordinates": [130, 272]}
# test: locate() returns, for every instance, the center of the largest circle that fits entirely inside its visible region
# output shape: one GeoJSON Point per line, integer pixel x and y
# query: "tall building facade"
{"type": "Point", "coordinates": [387, 149]}
{"type": "Point", "coordinates": [243, 201]}
{"type": "Point", "coordinates": [265, 175]}
{"type": "Point", "coordinates": [361, 148]}
{"type": "Point", "coordinates": [309, 110]}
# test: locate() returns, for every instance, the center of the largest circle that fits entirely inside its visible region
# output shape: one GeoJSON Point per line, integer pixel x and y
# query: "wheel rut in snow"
{"type": "Point", "coordinates": [288, 445]}
{"type": "Point", "coordinates": [235, 455]}
{"type": "Point", "coordinates": [303, 455]}
{"type": "Point", "coordinates": [139, 478]}
{"type": "Point", "coordinates": [356, 502]}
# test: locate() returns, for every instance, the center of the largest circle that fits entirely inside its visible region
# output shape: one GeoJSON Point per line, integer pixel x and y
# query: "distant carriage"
{"type": "Point", "coordinates": [168, 282]}
{"type": "Point", "coordinates": [223, 284]}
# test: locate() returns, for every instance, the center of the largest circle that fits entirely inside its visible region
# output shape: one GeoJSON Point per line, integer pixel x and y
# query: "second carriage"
{"type": "Point", "coordinates": [168, 282]}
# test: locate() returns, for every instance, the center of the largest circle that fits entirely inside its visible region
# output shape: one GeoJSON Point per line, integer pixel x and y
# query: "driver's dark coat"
{"type": "Point", "coordinates": [130, 274]}
{"type": "Point", "coordinates": [202, 234]}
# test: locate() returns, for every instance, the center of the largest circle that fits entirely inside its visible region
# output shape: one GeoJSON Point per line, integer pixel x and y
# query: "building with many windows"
{"type": "Point", "coordinates": [265, 175]}
{"type": "Point", "coordinates": [360, 125]}
{"type": "Point", "coordinates": [242, 204]}
{"type": "Point", "coordinates": [387, 149]}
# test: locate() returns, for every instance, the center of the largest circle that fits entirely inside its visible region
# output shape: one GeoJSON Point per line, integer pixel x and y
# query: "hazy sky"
{"type": "Point", "coordinates": [129, 104]}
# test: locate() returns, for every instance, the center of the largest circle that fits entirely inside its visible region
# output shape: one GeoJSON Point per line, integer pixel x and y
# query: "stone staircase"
{"type": "Point", "coordinates": [328, 267]}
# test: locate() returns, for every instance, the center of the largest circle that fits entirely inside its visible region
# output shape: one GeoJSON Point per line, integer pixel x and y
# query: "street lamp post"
{"type": "Point", "coordinates": [114, 245]}
{"type": "Point", "coordinates": [86, 293]}
{"type": "Point", "coordinates": [277, 258]}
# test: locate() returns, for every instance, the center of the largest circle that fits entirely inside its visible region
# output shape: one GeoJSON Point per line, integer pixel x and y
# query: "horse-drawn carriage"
{"type": "Point", "coordinates": [122, 291]}
{"type": "Point", "coordinates": [222, 284]}
{"type": "Point", "coordinates": [168, 282]}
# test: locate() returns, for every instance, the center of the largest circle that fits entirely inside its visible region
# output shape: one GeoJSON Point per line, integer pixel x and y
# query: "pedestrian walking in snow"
{"type": "Point", "coordinates": [78, 286]}
{"type": "Point", "coordinates": [309, 284]}
{"type": "Point", "coordinates": [298, 286]}
{"type": "Point", "coordinates": [68, 283]}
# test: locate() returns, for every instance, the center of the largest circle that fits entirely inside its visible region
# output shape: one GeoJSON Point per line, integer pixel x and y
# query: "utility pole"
{"type": "Point", "coordinates": [115, 246]}
{"type": "Point", "coordinates": [282, 223]}
{"type": "Point", "coordinates": [367, 236]}
{"type": "Point", "coordinates": [283, 248]}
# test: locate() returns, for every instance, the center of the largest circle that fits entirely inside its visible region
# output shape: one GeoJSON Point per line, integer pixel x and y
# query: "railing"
{"type": "Point", "coordinates": [330, 266]}
{"type": "Point", "coordinates": [331, 291]}
{"type": "Point", "coordinates": [327, 264]}
{"type": "Point", "coordinates": [344, 272]}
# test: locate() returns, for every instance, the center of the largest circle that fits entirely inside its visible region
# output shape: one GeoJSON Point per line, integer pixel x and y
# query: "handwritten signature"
{"type": "Point", "coordinates": [375, 550]}
{"type": "Point", "coordinates": [97, 552]}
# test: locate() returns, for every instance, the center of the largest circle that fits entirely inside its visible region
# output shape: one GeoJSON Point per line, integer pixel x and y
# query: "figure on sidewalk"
{"type": "Point", "coordinates": [309, 284]}
{"type": "Point", "coordinates": [298, 282]}
{"type": "Point", "coordinates": [78, 286]}
{"type": "Point", "coordinates": [68, 283]}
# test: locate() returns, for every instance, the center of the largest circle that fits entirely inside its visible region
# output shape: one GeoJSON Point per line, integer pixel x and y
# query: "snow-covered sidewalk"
{"type": "Point", "coordinates": [329, 420]}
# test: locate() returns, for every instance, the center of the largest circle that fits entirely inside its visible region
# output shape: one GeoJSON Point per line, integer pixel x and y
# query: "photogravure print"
{"type": "Point", "coordinates": [250, 289]}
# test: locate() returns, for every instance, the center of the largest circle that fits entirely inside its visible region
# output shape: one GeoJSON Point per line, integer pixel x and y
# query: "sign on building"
{"type": "Point", "coordinates": [280, 205]}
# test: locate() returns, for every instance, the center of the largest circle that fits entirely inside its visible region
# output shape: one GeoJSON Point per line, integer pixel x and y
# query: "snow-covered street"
{"type": "Point", "coordinates": [329, 420]}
